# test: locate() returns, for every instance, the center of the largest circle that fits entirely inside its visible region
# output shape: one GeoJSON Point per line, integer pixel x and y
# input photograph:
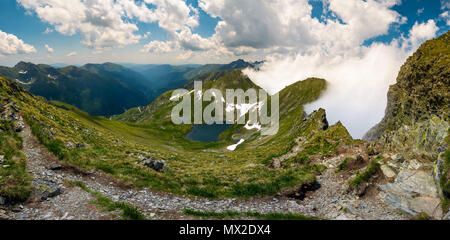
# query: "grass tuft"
{"type": "Point", "coordinates": [364, 176]}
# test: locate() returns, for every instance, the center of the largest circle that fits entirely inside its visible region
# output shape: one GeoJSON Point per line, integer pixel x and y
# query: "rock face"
{"type": "Point", "coordinates": [427, 138]}
{"type": "Point", "coordinates": [413, 192]}
{"type": "Point", "coordinates": [417, 123]}
{"type": "Point", "coordinates": [422, 89]}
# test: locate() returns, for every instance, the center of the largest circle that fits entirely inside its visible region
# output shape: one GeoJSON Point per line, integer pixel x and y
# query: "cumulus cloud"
{"type": "Point", "coordinates": [421, 32]}
{"type": "Point", "coordinates": [48, 30]}
{"type": "Point", "coordinates": [72, 54]}
{"type": "Point", "coordinates": [159, 47]}
{"type": "Point", "coordinates": [10, 44]}
{"type": "Point", "coordinates": [106, 24]}
{"type": "Point", "coordinates": [288, 24]}
{"type": "Point", "coordinates": [100, 22]}
{"type": "Point", "coordinates": [178, 20]}
{"type": "Point", "coordinates": [49, 49]}
{"type": "Point", "coordinates": [358, 81]}
{"type": "Point", "coordinates": [274, 26]}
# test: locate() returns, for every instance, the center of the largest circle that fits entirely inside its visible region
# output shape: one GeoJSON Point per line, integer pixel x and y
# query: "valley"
{"type": "Point", "coordinates": [137, 164]}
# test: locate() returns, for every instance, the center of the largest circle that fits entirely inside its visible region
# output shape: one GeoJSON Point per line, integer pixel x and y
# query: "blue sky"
{"type": "Point", "coordinates": [22, 21]}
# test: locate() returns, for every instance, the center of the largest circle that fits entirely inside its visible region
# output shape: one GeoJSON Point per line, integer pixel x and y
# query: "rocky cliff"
{"type": "Point", "coordinates": [422, 90]}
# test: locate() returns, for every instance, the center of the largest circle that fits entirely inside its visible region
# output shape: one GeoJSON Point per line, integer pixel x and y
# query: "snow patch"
{"type": "Point", "coordinates": [234, 146]}
{"type": "Point", "coordinates": [253, 126]}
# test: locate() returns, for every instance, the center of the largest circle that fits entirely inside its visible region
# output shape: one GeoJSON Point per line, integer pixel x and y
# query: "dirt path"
{"type": "Point", "coordinates": [72, 203]}
{"type": "Point", "coordinates": [331, 201]}
{"type": "Point", "coordinates": [276, 162]}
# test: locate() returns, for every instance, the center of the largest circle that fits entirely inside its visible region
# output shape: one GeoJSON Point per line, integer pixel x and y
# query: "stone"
{"type": "Point", "coordinates": [413, 192]}
{"type": "Point", "coordinates": [19, 127]}
{"type": "Point", "coordinates": [154, 164]}
{"type": "Point", "coordinates": [387, 171]}
{"type": "Point", "coordinates": [3, 216]}
{"type": "Point", "coordinates": [447, 216]}
{"type": "Point", "coordinates": [46, 189]}
{"type": "Point", "coordinates": [2, 201]}
{"type": "Point", "coordinates": [398, 158]}
{"type": "Point", "coordinates": [345, 217]}
{"type": "Point", "coordinates": [80, 145]}
{"type": "Point", "coordinates": [2, 159]}
{"type": "Point", "coordinates": [70, 144]}
{"type": "Point", "coordinates": [414, 164]}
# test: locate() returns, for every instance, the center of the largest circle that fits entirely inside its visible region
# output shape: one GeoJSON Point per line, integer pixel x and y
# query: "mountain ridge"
{"type": "Point", "coordinates": [89, 91]}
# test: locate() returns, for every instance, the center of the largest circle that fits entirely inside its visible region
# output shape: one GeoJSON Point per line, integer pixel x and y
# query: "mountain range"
{"type": "Point", "coordinates": [105, 89]}
{"type": "Point", "coordinates": [128, 163]}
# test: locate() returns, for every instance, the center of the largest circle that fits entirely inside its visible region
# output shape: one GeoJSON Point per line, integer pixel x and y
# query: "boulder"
{"type": "Point", "coordinates": [447, 216]}
{"type": "Point", "coordinates": [19, 127]}
{"type": "Point", "coordinates": [413, 192]}
{"type": "Point", "coordinates": [387, 171]}
{"type": "Point", "coordinates": [3, 215]}
{"type": "Point", "coordinates": [157, 165]}
{"type": "Point", "coordinates": [398, 158]}
{"type": "Point", "coordinates": [80, 145]}
{"type": "Point", "coordinates": [44, 189]}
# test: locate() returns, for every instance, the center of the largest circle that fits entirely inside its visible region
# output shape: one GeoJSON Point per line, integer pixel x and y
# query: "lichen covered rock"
{"type": "Point", "coordinates": [422, 89]}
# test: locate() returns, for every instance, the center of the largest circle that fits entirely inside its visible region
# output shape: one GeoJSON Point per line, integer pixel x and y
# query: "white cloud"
{"type": "Point", "coordinates": [446, 17]}
{"type": "Point", "coordinates": [49, 49]}
{"type": "Point", "coordinates": [420, 11]}
{"type": "Point", "coordinates": [173, 15]}
{"type": "Point", "coordinates": [273, 26]}
{"type": "Point", "coordinates": [107, 23]}
{"type": "Point", "coordinates": [48, 30]}
{"type": "Point", "coordinates": [10, 44]}
{"type": "Point", "coordinates": [178, 20]}
{"type": "Point", "coordinates": [100, 22]}
{"type": "Point", "coordinates": [421, 32]}
{"type": "Point", "coordinates": [159, 47]}
{"type": "Point", "coordinates": [72, 54]}
{"type": "Point", "coordinates": [288, 24]}
{"type": "Point", "coordinates": [185, 55]}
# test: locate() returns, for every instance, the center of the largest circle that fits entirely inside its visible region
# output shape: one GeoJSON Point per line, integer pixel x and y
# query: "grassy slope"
{"type": "Point", "coordinates": [195, 168]}
{"type": "Point", "coordinates": [15, 181]}
{"type": "Point", "coordinates": [96, 94]}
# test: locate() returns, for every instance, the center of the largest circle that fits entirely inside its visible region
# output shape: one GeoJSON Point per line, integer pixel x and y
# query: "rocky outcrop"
{"type": "Point", "coordinates": [417, 124]}
{"type": "Point", "coordinates": [157, 165]}
{"type": "Point", "coordinates": [422, 89]}
{"type": "Point", "coordinates": [426, 138]}
{"type": "Point", "coordinates": [413, 192]}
